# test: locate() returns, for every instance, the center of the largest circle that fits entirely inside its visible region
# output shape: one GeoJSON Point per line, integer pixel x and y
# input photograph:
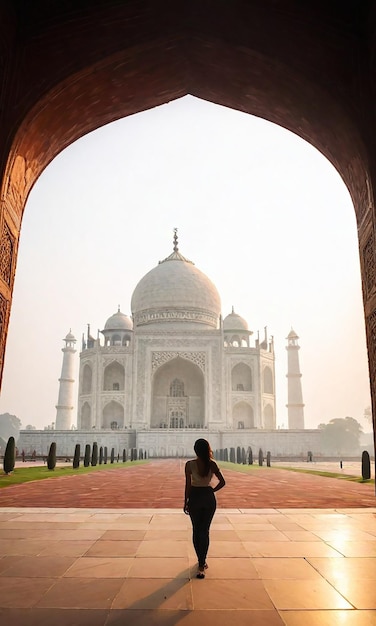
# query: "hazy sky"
{"type": "Point", "coordinates": [260, 211]}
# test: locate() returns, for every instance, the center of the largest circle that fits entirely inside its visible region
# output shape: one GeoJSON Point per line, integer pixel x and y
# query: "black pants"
{"type": "Point", "coordinates": [202, 505]}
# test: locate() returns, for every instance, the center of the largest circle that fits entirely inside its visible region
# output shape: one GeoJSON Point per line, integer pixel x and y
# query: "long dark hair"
{"type": "Point", "coordinates": [204, 453]}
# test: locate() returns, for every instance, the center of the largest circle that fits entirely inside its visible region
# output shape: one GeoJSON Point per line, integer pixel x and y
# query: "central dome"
{"type": "Point", "coordinates": [176, 292]}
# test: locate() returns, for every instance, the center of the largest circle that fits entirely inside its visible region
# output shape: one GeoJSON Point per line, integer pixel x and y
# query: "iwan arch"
{"type": "Point", "coordinates": [309, 67]}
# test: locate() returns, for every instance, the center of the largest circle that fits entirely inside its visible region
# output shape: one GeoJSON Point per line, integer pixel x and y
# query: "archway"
{"type": "Point", "coordinates": [241, 59]}
{"type": "Point", "coordinates": [113, 378]}
{"type": "Point", "coordinates": [269, 421]}
{"type": "Point", "coordinates": [113, 416]}
{"type": "Point", "coordinates": [241, 377]}
{"type": "Point", "coordinates": [242, 415]}
{"type": "Point", "coordinates": [178, 398]}
{"type": "Point", "coordinates": [268, 386]}
{"type": "Point", "coordinates": [86, 379]}
{"type": "Point", "coordinates": [85, 416]}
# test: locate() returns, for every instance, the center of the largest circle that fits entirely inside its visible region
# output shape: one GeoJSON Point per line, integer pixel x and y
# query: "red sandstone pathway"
{"type": "Point", "coordinates": [160, 484]}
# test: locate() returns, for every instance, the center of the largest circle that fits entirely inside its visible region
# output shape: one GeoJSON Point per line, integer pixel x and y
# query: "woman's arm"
{"type": "Point", "coordinates": [221, 481]}
{"type": "Point", "coordinates": [188, 483]}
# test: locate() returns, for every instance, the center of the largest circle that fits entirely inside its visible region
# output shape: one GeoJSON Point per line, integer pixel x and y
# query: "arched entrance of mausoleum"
{"type": "Point", "coordinates": [178, 397]}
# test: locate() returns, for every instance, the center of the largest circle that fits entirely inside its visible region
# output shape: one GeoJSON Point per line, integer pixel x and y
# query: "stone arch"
{"type": "Point", "coordinates": [116, 340]}
{"type": "Point", "coordinates": [86, 416]}
{"type": "Point", "coordinates": [87, 376]}
{"type": "Point", "coordinates": [106, 72]}
{"type": "Point", "coordinates": [114, 377]}
{"type": "Point", "coordinates": [185, 410]}
{"type": "Point", "coordinates": [268, 382]}
{"type": "Point", "coordinates": [241, 377]}
{"type": "Point", "coordinates": [268, 414]}
{"type": "Point", "coordinates": [242, 415]}
{"type": "Point", "coordinates": [113, 413]}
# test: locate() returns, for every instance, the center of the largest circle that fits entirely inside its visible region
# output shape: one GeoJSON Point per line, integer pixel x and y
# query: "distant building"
{"type": "Point", "coordinates": [173, 371]}
{"type": "Point", "coordinates": [174, 364]}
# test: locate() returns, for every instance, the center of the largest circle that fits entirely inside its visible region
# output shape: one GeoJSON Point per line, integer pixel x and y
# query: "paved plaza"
{"type": "Point", "coordinates": [269, 566]}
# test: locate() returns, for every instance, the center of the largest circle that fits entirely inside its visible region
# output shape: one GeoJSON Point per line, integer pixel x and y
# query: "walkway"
{"type": "Point", "coordinates": [160, 484]}
{"type": "Point", "coordinates": [99, 555]}
{"type": "Point", "coordinates": [90, 567]}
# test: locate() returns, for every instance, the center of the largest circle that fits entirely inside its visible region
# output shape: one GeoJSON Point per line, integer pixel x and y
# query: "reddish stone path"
{"type": "Point", "coordinates": [160, 484]}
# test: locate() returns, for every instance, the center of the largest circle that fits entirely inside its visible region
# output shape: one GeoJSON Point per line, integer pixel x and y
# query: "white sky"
{"type": "Point", "coordinates": [259, 210]}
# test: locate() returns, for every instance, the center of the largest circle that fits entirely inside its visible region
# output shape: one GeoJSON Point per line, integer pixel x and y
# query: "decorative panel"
{"type": "Point", "coordinates": [369, 265]}
{"type": "Point", "coordinates": [6, 254]}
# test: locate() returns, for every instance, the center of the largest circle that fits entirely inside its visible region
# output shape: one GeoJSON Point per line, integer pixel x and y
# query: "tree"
{"type": "Point", "coordinates": [10, 456]}
{"type": "Point", "coordinates": [341, 436]}
{"type": "Point", "coordinates": [87, 455]}
{"type": "Point", "coordinates": [368, 414]}
{"type": "Point", "coordinates": [51, 459]}
{"type": "Point", "coordinates": [94, 454]}
{"type": "Point", "coordinates": [10, 426]}
{"type": "Point", "coordinates": [76, 458]}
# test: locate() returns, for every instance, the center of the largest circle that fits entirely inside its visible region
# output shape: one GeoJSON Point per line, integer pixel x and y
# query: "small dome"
{"type": "Point", "coordinates": [70, 336]}
{"type": "Point", "coordinates": [233, 321]}
{"type": "Point", "coordinates": [119, 321]}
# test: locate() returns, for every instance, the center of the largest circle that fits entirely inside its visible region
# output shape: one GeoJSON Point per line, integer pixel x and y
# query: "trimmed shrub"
{"type": "Point", "coordinates": [250, 456]}
{"type": "Point", "coordinates": [135, 454]}
{"type": "Point", "coordinates": [366, 465]}
{"type": "Point", "coordinates": [124, 456]}
{"type": "Point", "coordinates": [244, 457]}
{"type": "Point", "coordinates": [105, 453]}
{"type": "Point", "coordinates": [225, 454]}
{"type": "Point", "coordinates": [87, 455]}
{"type": "Point", "coordinates": [51, 459]}
{"type": "Point", "coordinates": [261, 457]}
{"type": "Point", "coordinates": [238, 455]}
{"type": "Point", "coordinates": [112, 455]}
{"type": "Point", "coordinates": [221, 454]}
{"type": "Point", "coordinates": [232, 455]}
{"type": "Point", "coordinates": [268, 458]}
{"type": "Point", "coordinates": [100, 455]}
{"type": "Point", "coordinates": [94, 454]}
{"type": "Point", "coordinates": [9, 456]}
{"type": "Point", "coordinates": [76, 457]}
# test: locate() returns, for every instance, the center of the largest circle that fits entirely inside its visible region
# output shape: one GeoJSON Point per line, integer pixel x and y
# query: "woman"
{"type": "Point", "coordinates": [199, 502]}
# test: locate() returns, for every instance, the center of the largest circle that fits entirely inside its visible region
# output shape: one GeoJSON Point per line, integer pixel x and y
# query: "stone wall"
{"type": "Point", "coordinates": [164, 443]}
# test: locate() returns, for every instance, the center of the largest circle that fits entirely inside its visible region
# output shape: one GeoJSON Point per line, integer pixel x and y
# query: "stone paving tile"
{"type": "Point", "coordinates": [329, 618]}
{"type": "Point", "coordinates": [296, 568]}
{"type": "Point", "coordinates": [57, 617]}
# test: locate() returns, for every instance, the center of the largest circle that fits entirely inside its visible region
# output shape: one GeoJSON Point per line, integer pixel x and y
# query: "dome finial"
{"type": "Point", "coordinates": [176, 249]}
{"type": "Point", "coordinates": [118, 308]}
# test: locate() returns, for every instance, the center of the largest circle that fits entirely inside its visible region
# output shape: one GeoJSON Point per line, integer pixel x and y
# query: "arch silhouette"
{"type": "Point", "coordinates": [294, 67]}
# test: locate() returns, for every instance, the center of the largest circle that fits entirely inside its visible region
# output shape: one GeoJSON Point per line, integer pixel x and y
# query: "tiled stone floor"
{"type": "Point", "coordinates": [109, 567]}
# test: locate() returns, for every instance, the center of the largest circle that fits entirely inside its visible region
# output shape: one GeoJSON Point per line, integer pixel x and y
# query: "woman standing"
{"type": "Point", "coordinates": [199, 502]}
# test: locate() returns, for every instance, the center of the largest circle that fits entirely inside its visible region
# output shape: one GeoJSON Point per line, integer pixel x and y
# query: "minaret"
{"type": "Point", "coordinates": [64, 407]}
{"type": "Point", "coordinates": [295, 406]}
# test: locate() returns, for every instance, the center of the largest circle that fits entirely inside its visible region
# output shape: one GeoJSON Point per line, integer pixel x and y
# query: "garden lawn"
{"type": "Point", "coordinates": [247, 469]}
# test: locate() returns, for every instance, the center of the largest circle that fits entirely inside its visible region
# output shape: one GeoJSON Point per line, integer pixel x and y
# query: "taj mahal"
{"type": "Point", "coordinates": [172, 371]}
